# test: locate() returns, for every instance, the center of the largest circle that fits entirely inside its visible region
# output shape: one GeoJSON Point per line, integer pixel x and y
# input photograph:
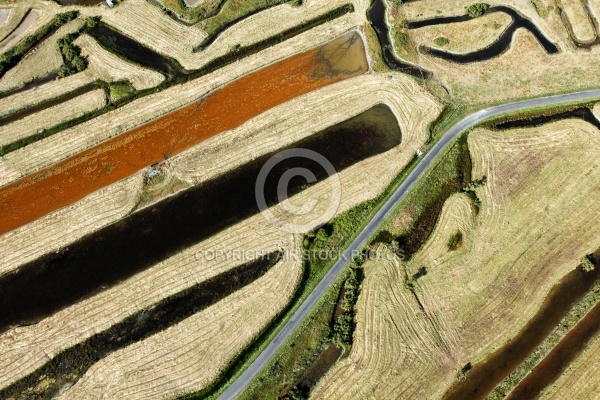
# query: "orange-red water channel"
{"type": "Point", "coordinates": [61, 184]}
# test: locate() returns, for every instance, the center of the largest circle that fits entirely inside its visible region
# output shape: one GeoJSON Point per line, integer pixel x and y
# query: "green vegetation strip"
{"type": "Point", "coordinates": [66, 368]}
{"type": "Point", "coordinates": [12, 57]}
{"type": "Point", "coordinates": [577, 312]}
{"type": "Point", "coordinates": [214, 65]}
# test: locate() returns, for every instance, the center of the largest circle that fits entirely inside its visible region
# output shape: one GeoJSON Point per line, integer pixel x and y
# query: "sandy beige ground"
{"type": "Point", "coordinates": [189, 355]}
{"type": "Point", "coordinates": [20, 31]}
{"type": "Point", "coordinates": [579, 380]}
{"type": "Point", "coordinates": [536, 221]}
{"type": "Point", "coordinates": [40, 61]}
{"type": "Point", "coordinates": [13, 16]}
{"type": "Point", "coordinates": [467, 36]}
{"type": "Point", "coordinates": [579, 20]}
{"type": "Point", "coordinates": [525, 70]}
{"type": "Point", "coordinates": [52, 116]}
{"type": "Point", "coordinates": [150, 26]}
{"type": "Point", "coordinates": [57, 230]}
{"type": "Point", "coordinates": [596, 111]}
{"type": "Point", "coordinates": [5, 14]}
{"type": "Point", "coordinates": [45, 92]}
{"type": "Point", "coordinates": [250, 30]}
{"type": "Point", "coordinates": [414, 112]}
{"type": "Point", "coordinates": [594, 7]}
{"type": "Point", "coordinates": [110, 68]}
{"type": "Point", "coordinates": [83, 136]}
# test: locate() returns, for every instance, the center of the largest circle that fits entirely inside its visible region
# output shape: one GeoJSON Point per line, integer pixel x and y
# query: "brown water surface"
{"type": "Point", "coordinates": [72, 179]}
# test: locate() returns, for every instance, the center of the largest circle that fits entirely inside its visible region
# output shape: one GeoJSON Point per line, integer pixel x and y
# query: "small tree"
{"type": "Point", "coordinates": [587, 264]}
{"type": "Point", "coordinates": [477, 10]}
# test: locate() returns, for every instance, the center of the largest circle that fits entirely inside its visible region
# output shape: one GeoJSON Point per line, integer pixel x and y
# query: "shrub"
{"type": "Point", "coordinates": [441, 41]}
{"type": "Point", "coordinates": [455, 241]}
{"type": "Point", "coordinates": [587, 264]}
{"type": "Point", "coordinates": [477, 9]}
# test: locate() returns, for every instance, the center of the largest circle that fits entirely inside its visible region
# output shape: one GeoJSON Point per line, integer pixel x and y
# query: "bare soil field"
{"type": "Point", "coordinates": [111, 68]}
{"type": "Point", "coordinates": [578, 381]}
{"type": "Point", "coordinates": [534, 223]}
{"type": "Point", "coordinates": [5, 14]}
{"type": "Point", "coordinates": [52, 116]}
{"type": "Point", "coordinates": [47, 91]}
{"type": "Point", "coordinates": [188, 356]}
{"type": "Point", "coordinates": [248, 96]}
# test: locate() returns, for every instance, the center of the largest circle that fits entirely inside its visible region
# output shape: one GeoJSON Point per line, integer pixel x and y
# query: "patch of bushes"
{"type": "Point", "coordinates": [120, 90]}
{"type": "Point", "coordinates": [343, 326]}
{"type": "Point", "coordinates": [12, 57]}
{"type": "Point", "coordinates": [477, 9]}
{"type": "Point", "coordinates": [455, 241]}
{"type": "Point", "coordinates": [73, 61]}
{"type": "Point", "coordinates": [441, 41]}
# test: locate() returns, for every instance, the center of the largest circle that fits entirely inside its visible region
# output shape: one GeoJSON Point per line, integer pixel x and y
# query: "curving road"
{"type": "Point", "coordinates": [247, 376]}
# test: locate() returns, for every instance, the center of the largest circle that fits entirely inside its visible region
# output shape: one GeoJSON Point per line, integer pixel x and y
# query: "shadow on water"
{"type": "Point", "coordinates": [68, 367]}
{"type": "Point", "coordinates": [485, 376]}
{"type": "Point", "coordinates": [117, 43]}
{"type": "Point", "coordinates": [112, 254]}
{"type": "Point", "coordinates": [376, 16]}
{"type": "Point", "coordinates": [495, 49]}
{"type": "Point", "coordinates": [583, 113]}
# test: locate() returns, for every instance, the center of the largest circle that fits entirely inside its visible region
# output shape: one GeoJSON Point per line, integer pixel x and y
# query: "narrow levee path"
{"type": "Point", "coordinates": [72, 179]}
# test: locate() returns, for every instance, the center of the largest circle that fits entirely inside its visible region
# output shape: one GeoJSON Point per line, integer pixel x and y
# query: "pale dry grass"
{"type": "Point", "coordinates": [525, 70]}
{"type": "Point", "coordinates": [188, 356]}
{"type": "Point", "coordinates": [578, 381]}
{"type": "Point", "coordinates": [583, 30]}
{"type": "Point", "coordinates": [177, 40]}
{"type": "Point", "coordinates": [5, 14]}
{"type": "Point", "coordinates": [73, 140]}
{"type": "Point", "coordinates": [594, 7]}
{"type": "Point", "coordinates": [110, 68]}
{"type": "Point", "coordinates": [56, 230]}
{"type": "Point", "coordinates": [147, 24]}
{"type": "Point", "coordinates": [73, 324]}
{"type": "Point", "coordinates": [535, 222]}
{"type": "Point", "coordinates": [20, 31]}
{"type": "Point", "coordinates": [42, 60]}
{"type": "Point", "coordinates": [464, 37]}
{"type": "Point", "coordinates": [13, 16]}
{"type": "Point", "coordinates": [596, 111]}
{"type": "Point", "coordinates": [24, 349]}
{"type": "Point", "coordinates": [52, 116]}
{"type": "Point", "coordinates": [45, 92]}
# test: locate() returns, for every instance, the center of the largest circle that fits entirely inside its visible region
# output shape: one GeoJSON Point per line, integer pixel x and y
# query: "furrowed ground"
{"type": "Point", "coordinates": [535, 222]}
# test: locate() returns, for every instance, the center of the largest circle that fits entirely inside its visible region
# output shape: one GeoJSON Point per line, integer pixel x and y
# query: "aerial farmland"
{"type": "Point", "coordinates": [299, 199]}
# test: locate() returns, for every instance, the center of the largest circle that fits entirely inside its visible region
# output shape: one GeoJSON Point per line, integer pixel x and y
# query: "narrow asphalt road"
{"type": "Point", "coordinates": [249, 374]}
